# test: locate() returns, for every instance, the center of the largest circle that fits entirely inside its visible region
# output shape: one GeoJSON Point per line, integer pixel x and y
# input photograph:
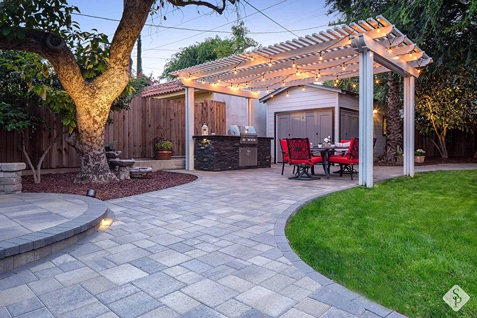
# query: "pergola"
{"type": "Point", "coordinates": [359, 49]}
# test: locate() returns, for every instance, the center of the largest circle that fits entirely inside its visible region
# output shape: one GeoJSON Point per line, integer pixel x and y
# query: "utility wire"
{"type": "Point", "coordinates": [200, 30]}
{"type": "Point", "coordinates": [266, 16]}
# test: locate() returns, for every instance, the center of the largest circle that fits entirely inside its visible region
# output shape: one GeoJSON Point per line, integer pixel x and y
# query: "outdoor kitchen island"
{"type": "Point", "coordinates": [219, 152]}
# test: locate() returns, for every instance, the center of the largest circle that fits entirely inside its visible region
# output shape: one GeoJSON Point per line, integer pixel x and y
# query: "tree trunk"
{"type": "Point", "coordinates": [441, 145]}
{"type": "Point", "coordinates": [37, 172]}
{"type": "Point", "coordinates": [88, 140]}
{"type": "Point", "coordinates": [393, 120]}
{"type": "Point", "coordinates": [94, 164]}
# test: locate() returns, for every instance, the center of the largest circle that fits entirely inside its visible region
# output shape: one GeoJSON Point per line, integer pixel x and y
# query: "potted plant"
{"type": "Point", "coordinates": [163, 149]}
{"type": "Point", "coordinates": [419, 156]}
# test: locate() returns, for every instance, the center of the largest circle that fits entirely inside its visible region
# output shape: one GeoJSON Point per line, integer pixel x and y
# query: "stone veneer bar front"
{"type": "Point", "coordinates": [219, 153]}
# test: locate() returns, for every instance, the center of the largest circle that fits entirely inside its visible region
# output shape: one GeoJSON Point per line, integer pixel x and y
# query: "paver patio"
{"type": "Point", "coordinates": [211, 248]}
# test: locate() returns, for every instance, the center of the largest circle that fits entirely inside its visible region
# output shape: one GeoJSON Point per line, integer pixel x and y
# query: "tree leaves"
{"type": "Point", "coordinates": [209, 50]}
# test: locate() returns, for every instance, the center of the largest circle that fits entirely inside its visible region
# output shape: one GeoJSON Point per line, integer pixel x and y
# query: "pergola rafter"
{"type": "Point", "coordinates": [359, 49]}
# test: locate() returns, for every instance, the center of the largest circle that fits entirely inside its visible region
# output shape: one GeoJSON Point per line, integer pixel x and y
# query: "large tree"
{"type": "Point", "coordinates": [46, 27]}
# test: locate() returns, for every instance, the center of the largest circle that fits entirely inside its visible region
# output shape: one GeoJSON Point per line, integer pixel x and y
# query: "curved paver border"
{"type": "Point", "coordinates": [30, 247]}
{"type": "Point", "coordinates": [331, 293]}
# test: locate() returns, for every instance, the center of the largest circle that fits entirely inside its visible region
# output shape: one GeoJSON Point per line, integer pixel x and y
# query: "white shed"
{"type": "Point", "coordinates": [316, 111]}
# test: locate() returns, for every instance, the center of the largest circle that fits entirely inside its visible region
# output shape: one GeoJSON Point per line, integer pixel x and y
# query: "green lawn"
{"type": "Point", "coordinates": [403, 243]}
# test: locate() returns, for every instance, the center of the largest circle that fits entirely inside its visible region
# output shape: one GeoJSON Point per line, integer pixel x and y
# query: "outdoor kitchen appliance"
{"type": "Point", "coordinates": [248, 146]}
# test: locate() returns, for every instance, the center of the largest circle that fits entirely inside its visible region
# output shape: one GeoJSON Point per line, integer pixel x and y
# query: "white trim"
{"type": "Point", "coordinates": [218, 89]}
{"type": "Point", "coordinates": [189, 128]}
{"type": "Point", "coordinates": [366, 118]}
{"type": "Point", "coordinates": [408, 138]}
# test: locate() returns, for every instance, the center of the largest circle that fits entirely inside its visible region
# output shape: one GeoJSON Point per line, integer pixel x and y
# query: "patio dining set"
{"type": "Point", "coordinates": [299, 153]}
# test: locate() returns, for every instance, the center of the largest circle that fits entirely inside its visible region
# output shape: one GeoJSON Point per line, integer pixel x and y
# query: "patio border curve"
{"type": "Point", "coordinates": [331, 293]}
{"type": "Point", "coordinates": [27, 248]}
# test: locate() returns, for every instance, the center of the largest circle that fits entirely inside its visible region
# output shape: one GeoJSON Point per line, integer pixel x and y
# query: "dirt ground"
{"type": "Point", "coordinates": [63, 183]}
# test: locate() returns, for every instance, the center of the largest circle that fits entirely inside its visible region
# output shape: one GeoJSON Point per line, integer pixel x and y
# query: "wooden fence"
{"type": "Point", "coordinates": [134, 131]}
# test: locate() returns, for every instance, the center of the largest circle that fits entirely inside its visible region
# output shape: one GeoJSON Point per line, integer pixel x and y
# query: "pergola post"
{"type": "Point", "coordinates": [189, 128]}
{"type": "Point", "coordinates": [366, 118]}
{"type": "Point", "coordinates": [250, 112]}
{"type": "Point", "coordinates": [408, 146]}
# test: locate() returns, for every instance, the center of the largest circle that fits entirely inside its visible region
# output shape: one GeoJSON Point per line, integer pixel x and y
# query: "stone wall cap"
{"type": "Point", "coordinates": [12, 166]}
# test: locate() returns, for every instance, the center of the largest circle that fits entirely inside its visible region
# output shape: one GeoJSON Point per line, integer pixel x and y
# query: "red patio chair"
{"type": "Point", "coordinates": [349, 159]}
{"type": "Point", "coordinates": [285, 157]}
{"type": "Point", "coordinates": [300, 156]}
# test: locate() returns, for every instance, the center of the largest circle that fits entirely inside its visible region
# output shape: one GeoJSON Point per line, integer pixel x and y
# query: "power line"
{"type": "Point", "coordinates": [186, 38]}
{"type": "Point", "coordinates": [266, 16]}
{"type": "Point", "coordinates": [203, 31]}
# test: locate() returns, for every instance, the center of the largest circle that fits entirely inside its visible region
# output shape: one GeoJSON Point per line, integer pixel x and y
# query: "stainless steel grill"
{"type": "Point", "coordinates": [248, 146]}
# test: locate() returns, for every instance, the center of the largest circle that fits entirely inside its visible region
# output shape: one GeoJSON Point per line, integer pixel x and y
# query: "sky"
{"type": "Point", "coordinates": [161, 38]}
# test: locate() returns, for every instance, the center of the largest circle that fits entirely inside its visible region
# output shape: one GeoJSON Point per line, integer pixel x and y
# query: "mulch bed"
{"type": "Point", "coordinates": [63, 183]}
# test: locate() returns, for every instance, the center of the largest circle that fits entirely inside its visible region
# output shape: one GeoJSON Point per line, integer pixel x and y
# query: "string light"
{"type": "Point", "coordinates": [263, 78]}
{"type": "Point", "coordinates": [235, 71]}
{"type": "Point", "coordinates": [354, 85]}
{"type": "Point", "coordinates": [297, 72]}
{"type": "Point", "coordinates": [390, 50]}
{"type": "Point", "coordinates": [203, 82]}
{"type": "Point", "coordinates": [283, 83]}
{"type": "Point", "coordinates": [270, 63]}
{"type": "Point", "coordinates": [337, 81]}
{"type": "Point", "coordinates": [377, 81]}
{"type": "Point", "coordinates": [267, 89]}
{"type": "Point", "coordinates": [293, 64]}
{"type": "Point", "coordinates": [349, 40]}
{"type": "Point", "coordinates": [303, 88]}
{"type": "Point", "coordinates": [252, 58]}
{"type": "Point", "coordinates": [272, 96]}
{"type": "Point", "coordinates": [218, 80]}
{"type": "Point", "coordinates": [246, 85]}
{"type": "Point", "coordinates": [344, 67]}
{"type": "Point", "coordinates": [321, 57]}
{"type": "Point", "coordinates": [287, 94]}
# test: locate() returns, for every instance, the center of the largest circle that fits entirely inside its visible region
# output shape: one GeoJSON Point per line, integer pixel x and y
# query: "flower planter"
{"type": "Point", "coordinates": [419, 159]}
{"type": "Point", "coordinates": [163, 154]}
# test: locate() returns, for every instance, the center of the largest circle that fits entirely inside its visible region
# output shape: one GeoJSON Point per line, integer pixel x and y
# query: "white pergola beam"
{"type": "Point", "coordinates": [366, 99]}
{"type": "Point", "coordinates": [219, 89]}
{"type": "Point", "coordinates": [308, 62]}
{"type": "Point", "coordinates": [246, 62]}
{"type": "Point", "coordinates": [189, 128]}
{"type": "Point", "coordinates": [382, 57]}
{"type": "Point", "coordinates": [408, 138]}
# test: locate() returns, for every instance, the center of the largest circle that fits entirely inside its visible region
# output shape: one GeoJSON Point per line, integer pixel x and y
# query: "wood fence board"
{"type": "Point", "coordinates": [133, 130]}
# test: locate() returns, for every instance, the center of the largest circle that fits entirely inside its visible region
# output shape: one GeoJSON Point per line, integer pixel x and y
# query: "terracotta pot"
{"type": "Point", "coordinates": [163, 154]}
{"type": "Point", "coordinates": [419, 159]}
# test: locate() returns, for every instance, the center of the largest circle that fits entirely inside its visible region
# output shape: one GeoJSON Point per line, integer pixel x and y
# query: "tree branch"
{"type": "Point", "coordinates": [53, 48]}
{"type": "Point", "coordinates": [134, 17]}
{"type": "Point", "coordinates": [218, 9]}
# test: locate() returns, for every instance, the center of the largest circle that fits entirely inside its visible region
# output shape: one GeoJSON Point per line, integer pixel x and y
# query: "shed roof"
{"type": "Point", "coordinates": [162, 89]}
{"type": "Point", "coordinates": [280, 90]}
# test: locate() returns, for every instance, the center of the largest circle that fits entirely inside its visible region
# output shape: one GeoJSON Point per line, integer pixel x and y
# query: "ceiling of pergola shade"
{"type": "Point", "coordinates": [328, 55]}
